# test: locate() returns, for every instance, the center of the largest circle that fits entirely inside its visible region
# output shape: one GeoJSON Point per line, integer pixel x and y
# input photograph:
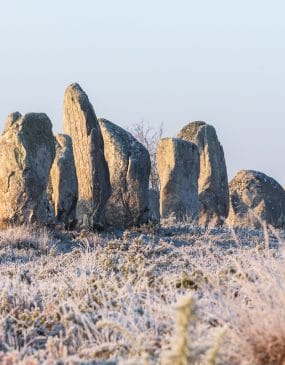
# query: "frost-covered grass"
{"type": "Point", "coordinates": [177, 295]}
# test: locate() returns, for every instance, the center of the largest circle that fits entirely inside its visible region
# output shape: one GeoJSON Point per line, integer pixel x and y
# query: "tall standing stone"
{"type": "Point", "coordinates": [26, 155]}
{"type": "Point", "coordinates": [256, 199]}
{"type": "Point", "coordinates": [213, 180]}
{"type": "Point", "coordinates": [63, 182]}
{"type": "Point", "coordinates": [81, 124]}
{"type": "Point", "coordinates": [178, 169]}
{"type": "Point", "coordinates": [129, 167]}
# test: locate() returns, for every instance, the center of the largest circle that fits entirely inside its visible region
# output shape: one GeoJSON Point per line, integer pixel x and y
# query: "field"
{"type": "Point", "coordinates": [177, 294]}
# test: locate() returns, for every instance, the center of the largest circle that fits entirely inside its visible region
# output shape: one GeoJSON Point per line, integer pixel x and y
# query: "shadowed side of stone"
{"type": "Point", "coordinates": [178, 168]}
{"type": "Point", "coordinates": [26, 155]}
{"type": "Point", "coordinates": [63, 182]}
{"type": "Point", "coordinates": [256, 199]}
{"type": "Point", "coordinates": [81, 124]}
{"type": "Point", "coordinates": [213, 180]}
{"type": "Point", "coordinates": [154, 212]}
{"type": "Point", "coordinates": [129, 167]}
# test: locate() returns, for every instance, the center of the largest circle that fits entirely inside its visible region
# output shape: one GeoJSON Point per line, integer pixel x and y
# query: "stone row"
{"type": "Point", "coordinates": [97, 175]}
{"type": "Point", "coordinates": [251, 200]}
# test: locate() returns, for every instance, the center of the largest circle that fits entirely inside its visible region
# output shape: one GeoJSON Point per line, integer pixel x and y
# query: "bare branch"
{"type": "Point", "coordinates": [149, 137]}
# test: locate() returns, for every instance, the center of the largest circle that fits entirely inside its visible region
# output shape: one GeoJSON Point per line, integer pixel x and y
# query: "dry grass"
{"type": "Point", "coordinates": [254, 312]}
{"type": "Point", "coordinates": [88, 299]}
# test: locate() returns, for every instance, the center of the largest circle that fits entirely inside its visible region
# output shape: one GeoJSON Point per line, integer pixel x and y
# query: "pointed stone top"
{"type": "Point", "coordinates": [12, 118]}
{"type": "Point", "coordinates": [78, 109]}
{"type": "Point", "coordinates": [75, 90]}
{"type": "Point", "coordinates": [74, 86]}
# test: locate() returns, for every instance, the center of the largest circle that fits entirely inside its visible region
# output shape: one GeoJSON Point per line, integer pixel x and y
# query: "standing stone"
{"type": "Point", "coordinates": [178, 169]}
{"type": "Point", "coordinates": [26, 156]}
{"type": "Point", "coordinates": [80, 122]}
{"type": "Point", "coordinates": [256, 199]}
{"type": "Point", "coordinates": [213, 180]}
{"type": "Point", "coordinates": [129, 167]}
{"type": "Point", "coordinates": [63, 182]}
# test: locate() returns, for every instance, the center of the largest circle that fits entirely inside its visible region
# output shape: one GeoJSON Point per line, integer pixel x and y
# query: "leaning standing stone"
{"type": "Point", "coordinates": [26, 156]}
{"type": "Point", "coordinates": [129, 167]}
{"type": "Point", "coordinates": [63, 182]}
{"type": "Point", "coordinates": [178, 169]}
{"type": "Point", "coordinates": [213, 180]}
{"type": "Point", "coordinates": [81, 124]}
{"type": "Point", "coordinates": [256, 199]}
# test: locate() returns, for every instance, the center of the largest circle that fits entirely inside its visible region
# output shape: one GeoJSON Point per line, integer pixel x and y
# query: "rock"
{"type": "Point", "coordinates": [63, 182]}
{"type": "Point", "coordinates": [178, 169]}
{"type": "Point", "coordinates": [80, 122]}
{"type": "Point", "coordinates": [12, 118]}
{"type": "Point", "coordinates": [213, 180]}
{"type": "Point", "coordinates": [256, 199]}
{"type": "Point", "coordinates": [153, 202]}
{"type": "Point", "coordinates": [26, 155]}
{"type": "Point", "coordinates": [129, 167]}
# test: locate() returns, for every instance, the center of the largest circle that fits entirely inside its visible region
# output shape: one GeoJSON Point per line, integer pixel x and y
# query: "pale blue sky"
{"type": "Point", "coordinates": [161, 61]}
